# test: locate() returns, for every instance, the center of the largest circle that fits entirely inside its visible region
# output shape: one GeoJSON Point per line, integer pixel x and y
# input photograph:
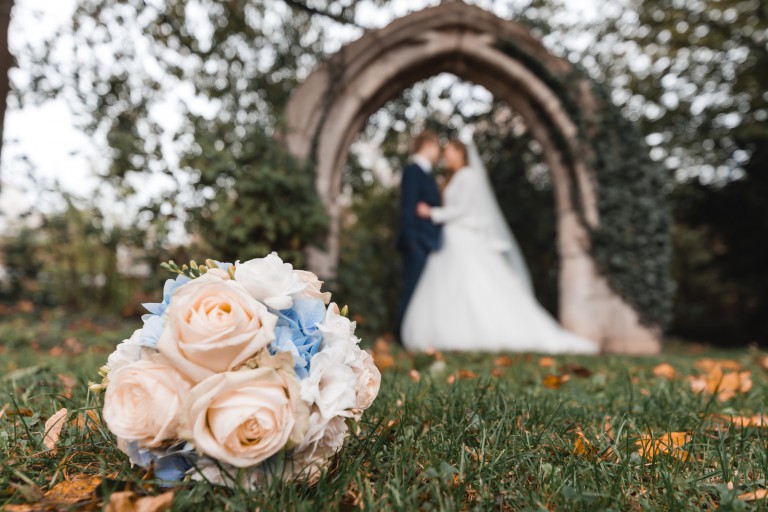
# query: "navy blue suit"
{"type": "Point", "coordinates": [417, 237]}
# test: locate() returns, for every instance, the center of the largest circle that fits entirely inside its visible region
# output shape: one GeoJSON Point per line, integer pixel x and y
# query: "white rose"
{"type": "Point", "coordinates": [368, 383]}
{"type": "Point", "coordinates": [213, 326]}
{"type": "Point", "coordinates": [129, 351]}
{"type": "Point", "coordinates": [325, 437]}
{"type": "Point", "coordinates": [314, 288]}
{"type": "Point", "coordinates": [143, 401]}
{"type": "Point", "coordinates": [338, 331]}
{"type": "Point", "coordinates": [242, 418]}
{"type": "Point", "coordinates": [331, 384]}
{"type": "Point", "coordinates": [270, 281]}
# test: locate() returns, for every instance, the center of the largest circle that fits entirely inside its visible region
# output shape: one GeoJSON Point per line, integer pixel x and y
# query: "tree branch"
{"type": "Point", "coordinates": [301, 6]}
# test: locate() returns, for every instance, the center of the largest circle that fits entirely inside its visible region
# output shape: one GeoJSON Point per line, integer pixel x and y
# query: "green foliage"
{"type": "Point", "coordinates": [701, 96]}
{"type": "Point", "coordinates": [253, 198]}
{"type": "Point", "coordinates": [489, 443]}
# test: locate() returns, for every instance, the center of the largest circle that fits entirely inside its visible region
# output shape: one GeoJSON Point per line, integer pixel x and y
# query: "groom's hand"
{"type": "Point", "coordinates": [423, 210]}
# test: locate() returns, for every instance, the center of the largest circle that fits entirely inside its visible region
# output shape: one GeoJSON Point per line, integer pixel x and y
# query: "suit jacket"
{"type": "Point", "coordinates": [418, 186]}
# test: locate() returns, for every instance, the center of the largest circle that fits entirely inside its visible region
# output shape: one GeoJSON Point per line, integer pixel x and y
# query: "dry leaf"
{"type": "Point", "coordinates": [383, 360]}
{"type": "Point", "coordinates": [498, 372]}
{"type": "Point", "coordinates": [461, 374]}
{"type": "Point", "coordinates": [726, 385]}
{"type": "Point", "coordinates": [577, 370]}
{"type": "Point", "coordinates": [756, 421]}
{"type": "Point", "coordinates": [69, 384]}
{"type": "Point", "coordinates": [129, 502]}
{"type": "Point", "coordinates": [706, 364]}
{"type": "Point", "coordinates": [664, 371]}
{"type": "Point", "coordinates": [670, 443]}
{"type": "Point", "coordinates": [68, 492]}
{"type": "Point", "coordinates": [53, 428]}
{"type": "Point", "coordinates": [754, 496]}
{"type": "Point", "coordinates": [582, 446]}
{"type": "Point", "coordinates": [555, 381]}
{"type": "Point", "coordinates": [546, 362]}
{"type": "Point", "coordinates": [414, 375]}
{"type": "Point", "coordinates": [503, 361]}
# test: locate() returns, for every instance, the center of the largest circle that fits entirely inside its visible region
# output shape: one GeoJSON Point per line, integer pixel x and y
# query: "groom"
{"type": "Point", "coordinates": [417, 237]}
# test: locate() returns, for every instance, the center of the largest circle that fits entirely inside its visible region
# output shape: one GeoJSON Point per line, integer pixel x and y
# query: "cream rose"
{"type": "Point", "coordinates": [331, 384]}
{"type": "Point", "coordinates": [214, 325]}
{"type": "Point", "coordinates": [368, 382]}
{"type": "Point", "coordinates": [314, 288]}
{"type": "Point", "coordinates": [270, 281]}
{"type": "Point", "coordinates": [242, 418]}
{"type": "Point", "coordinates": [143, 401]}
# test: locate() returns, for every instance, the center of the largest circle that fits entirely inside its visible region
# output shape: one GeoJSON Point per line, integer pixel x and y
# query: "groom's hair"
{"type": "Point", "coordinates": [425, 137]}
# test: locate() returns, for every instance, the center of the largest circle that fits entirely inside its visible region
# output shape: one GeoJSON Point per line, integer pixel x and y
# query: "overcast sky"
{"type": "Point", "coordinates": [47, 135]}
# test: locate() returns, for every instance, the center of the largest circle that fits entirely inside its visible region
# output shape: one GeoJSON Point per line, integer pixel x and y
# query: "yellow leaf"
{"type": "Point", "coordinates": [726, 385]}
{"type": "Point", "coordinates": [756, 421]}
{"type": "Point", "coordinates": [582, 446]}
{"type": "Point", "coordinates": [53, 428]}
{"type": "Point", "coordinates": [670, 443]}
{"type": "Point", "coordinates": [555, 381]}
{"type": "Point", "coordinates": [128, 501]}
{"type": "Point", "coordinates": [503, 360]}
{"type": "Point", "coordinates": [706, 364]}
{"type": "Point", "coordinates": [754, 496]}
{"type": "Point", "coordinates": [546, 362]}
{"type": "Point", "coordinates": [79, 488]}
{"type": "Point", "coordinates": [664, 371]}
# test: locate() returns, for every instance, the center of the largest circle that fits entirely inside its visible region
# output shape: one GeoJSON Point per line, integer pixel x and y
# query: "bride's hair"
{"type": "Point", "coordinates": [461, 148]}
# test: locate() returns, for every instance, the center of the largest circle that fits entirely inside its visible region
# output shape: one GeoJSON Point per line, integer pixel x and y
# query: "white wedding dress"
{"type": "Point", "coordinates": [475, 292]}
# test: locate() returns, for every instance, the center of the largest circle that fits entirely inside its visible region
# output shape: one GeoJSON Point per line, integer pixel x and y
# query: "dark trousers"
{"type": "Point", "coordinates": [414, 261]}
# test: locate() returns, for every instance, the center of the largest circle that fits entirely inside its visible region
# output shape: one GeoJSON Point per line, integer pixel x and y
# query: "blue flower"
{"type": "Point", "coordinates": [296, 332]}
{"type": "Point", "coordinates": [153, 323]}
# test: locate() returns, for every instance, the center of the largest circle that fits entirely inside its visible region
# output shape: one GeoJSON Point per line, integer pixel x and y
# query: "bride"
{"type": "Point", "coordinates": [475, 292]}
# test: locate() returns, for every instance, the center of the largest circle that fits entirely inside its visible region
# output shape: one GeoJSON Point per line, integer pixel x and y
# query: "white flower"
{"type": "Point", "coordinates": [242, 418]}
{"type": "Point", "coordinates": [270, 281]}
{"type": "Point", "coordinates": [214, 325]}
{"type": "Point", "coordinates": [143, 401]}
{"type": "Point", "coordinates": [129, 351]}
{"type": "Point", "coordinates": [331, 384]}
{"type": "Point", "coordinates": [338, 331]}
{"type": "Point", "coordinates": [314, 287]}
{"type": "Point", "coordinates": [325, 437]}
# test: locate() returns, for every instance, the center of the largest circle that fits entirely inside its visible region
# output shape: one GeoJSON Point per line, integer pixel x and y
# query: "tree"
{"type": "Point", "coordinates": [6, 61]}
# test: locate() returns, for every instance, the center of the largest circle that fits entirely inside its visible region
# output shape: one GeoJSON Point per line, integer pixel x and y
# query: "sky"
{"type": "Point", "coordinates": [43, 140]}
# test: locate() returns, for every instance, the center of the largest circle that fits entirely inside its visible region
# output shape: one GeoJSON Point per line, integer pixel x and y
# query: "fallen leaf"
{"type": "Point", "coordinates": [582, 446]}
{"type": "Point", "coordinates": [754, 496]}
{"type": "Point", "coordinates": [726, 385]}
{"type": "Point", "coordinates": [664, 371]}
{"type": "Point", "coordinates": [670, 443]}
{"type": "Point", "coordinates": [128, 501]}
{"type": "Point", "coordinates": [503, 360]}
{"type": "Point", "coordinates": [69, 384]}
{"type": "Point", "coordinates": [53, 428]}
{"type": "Point", "coordinates": [498, 373]}
{"type": "Point", "coordinates": [555, 381]}
{"type": "Point", "coordinates": [383, 360]}
{"type": "Point", "coordinates": [706, 364]}
{"type": "Point", "coordinates": [546, 362]}
{"type": "Point", "coordinates": [461, 374]}
{"type": "Point", "coordinates": [577, 370]}
{"type": "Point", "coordinates": [68, 492]}
{"type": "Point", "coordinates": [756, 421]}
{"type": "Point", "coordinates": [414, 375]}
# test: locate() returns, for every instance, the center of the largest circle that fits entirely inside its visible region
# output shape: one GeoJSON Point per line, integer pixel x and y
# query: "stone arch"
{"type": "Point", "coordinates": [330, 108]}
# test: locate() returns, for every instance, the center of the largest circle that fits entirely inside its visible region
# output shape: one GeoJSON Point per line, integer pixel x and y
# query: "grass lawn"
{"type": "Point", "coordinates": [474, 432]}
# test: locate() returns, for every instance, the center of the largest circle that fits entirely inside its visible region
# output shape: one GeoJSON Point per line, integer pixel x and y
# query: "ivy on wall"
{"type": "Point", "coordinates": [632, 245]}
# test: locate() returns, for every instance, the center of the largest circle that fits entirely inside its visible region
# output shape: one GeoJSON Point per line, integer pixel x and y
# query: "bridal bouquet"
{"type": "Point", "coordinates": [243, 373]}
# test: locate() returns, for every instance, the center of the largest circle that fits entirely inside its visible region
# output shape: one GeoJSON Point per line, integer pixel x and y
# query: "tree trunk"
{"type": "Point", "coordinates": [5, 62]}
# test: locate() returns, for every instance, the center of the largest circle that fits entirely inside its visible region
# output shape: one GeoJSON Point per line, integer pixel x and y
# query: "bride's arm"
{"type": "Point", "coordinates": [461, 201]}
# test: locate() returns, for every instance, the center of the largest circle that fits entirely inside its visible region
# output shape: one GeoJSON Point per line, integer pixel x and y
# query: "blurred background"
{"type": "Point", "coordinates": [138, 131]}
